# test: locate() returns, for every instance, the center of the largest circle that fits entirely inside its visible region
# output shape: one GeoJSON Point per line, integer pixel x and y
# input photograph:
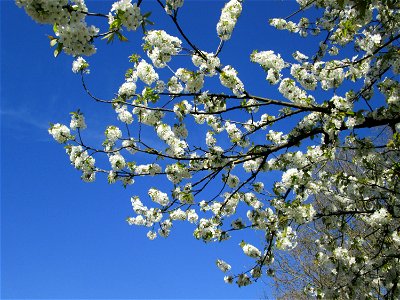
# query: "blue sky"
{"type": "Point", "coordinates": [62, 238]}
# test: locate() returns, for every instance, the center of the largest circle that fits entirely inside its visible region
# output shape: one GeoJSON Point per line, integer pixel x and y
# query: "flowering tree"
{"type": "Point", "coordinates": [334, 95]}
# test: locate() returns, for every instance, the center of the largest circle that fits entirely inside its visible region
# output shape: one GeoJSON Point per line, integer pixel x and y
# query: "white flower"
{"type": "Point", "coordinates": [206, 64]}
{"type": "Point", "coordinates": [258, 186]}
{"type": "Point", "coordinates": [124, 115]}
{"type": "Point", "coordinates": [229, 15]}
{"type": "Point", "coordinates": [128, 13]}
{"type": "Point", "coordinates": [228, 279]}
{"type": "Point", "coordinates": [251, 165]}
{"type": "Point", "coordinates": [127, 89]}
{"type": "Point", "coordinates": [268, 60]}
{"type": "Point", "coordinates": [194, 81]}
{"type": "Point", "coordinates": [178, 214]}
{"type": "Point", "coordinates": [172, 5]}
{"type": "Point", "coordinates": [158, 197]}
{"type": "Point", "coordinates": [150, 169]}
{"type": "Point", "coordinates": [112, 177]}
{"type": "Point", "coordinates": [289, 90]}
{"type": "Point", "coordinates": [396, 238]}
{"type": "Point", "coordinates": [332, 75]}
{"type": "Point", "coordinates": [113, 133]}
{"type": "Point", "coordinates": [379, 217]}
{"type": "Point", "coordinates": [88, 177]}
{"type": "Point", "coordinates": [77, 121]}
{"type": "Point", "coordinates": [343, 255]}
{"type": "Point", "coordinates": [250, 250]}
{"type": "Point", "coordinates": [222, 265]}
{"type": "Point", "coordinates": [192, 216]}
{"type": "Point", "coordinates": [256, 272]}
{"type": "Point", "coordinates": [151, 235]}
{"type": "Point", "coordinates": [174, 86]}
{"type": "Point", "coordinates": [341, 103]}
{"type": "Point", "coordinates": [291, 176]}
{"type": "Point", "coordinates": [302, 213]}
{"type": "Point", "coordinates": [278, 23]}
{"type": "Point", "coordinates": [300, 57]}
{"type": "Point", "coordinates": [79, 64]}
{"type": "Point", "coordinates": [350, 122]}
{"type": "Point", "coordinates": [160, 86]}
{"type": "Point", "coordinates": [210, 140]}
{"type": "Point", "coordinates": [76, 37]}
{"type": "Point", "coordinates": [277, 138]}
{"type": "Point", "coordinates": [50, 12]}
{"type": "Point", "coordinates": [146, 72]}
{"type": "Point", "coordinates": [243, 280]}
{"type": "Point", "coordinates": [117, 162]}
{"type": "Point", "coordinates": [130, 146]}
{"type": "Point", "coordinates": [234, 133]}
{"type": "Point", "coordinates": [286, 239]}
{"type": "Point", "coordinates": [232, 180]}
{"type": "Point", "coordinates": [228, 78]}
{"type": "Point", "coordinates": [305, 78]}
{"type": "Point", "coordinates": [60, 133]}
{"type": "Point", "coordinates": [160, 46]}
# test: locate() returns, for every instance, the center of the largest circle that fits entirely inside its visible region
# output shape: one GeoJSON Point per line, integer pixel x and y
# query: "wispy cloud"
{"type": "Point", "coordinates": [21, 116]}
{"type": "Point", "coordinates": [24, 123]}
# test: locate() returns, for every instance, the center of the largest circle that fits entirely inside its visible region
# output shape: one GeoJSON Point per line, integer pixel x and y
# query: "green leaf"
{"type": "Point", "coordinates": [128, 73]}
{"type": "Point", "coordinates": [109, 37]}
{"type": "Point", "coordinates": [134, 58]}
{"type": "Point", "coordinates": [116, 24]}
{"type": "Point", "coordinates": [58, 49]}
{"type": "Point", "coordinates": [146, 15]}
{"type": "Point", "coordinates": [121, 37]}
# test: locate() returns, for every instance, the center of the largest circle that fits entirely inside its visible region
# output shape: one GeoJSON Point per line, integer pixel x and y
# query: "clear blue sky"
{"type": "Point", "coordinates": [62, 238]}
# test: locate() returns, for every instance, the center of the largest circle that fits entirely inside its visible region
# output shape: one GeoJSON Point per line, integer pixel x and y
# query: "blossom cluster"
{"type": "Point", "coordinates": [80, 65]}
{"type": "Point", "coordinates": [45, 12]}
{"type": "Point", "coordinates": [76, 37]}
{"type": "Point", "coordinates": [172, 5]}
{"type": "Point", "coordinates": [206, 64]}
{"type": "Point", "coordinates": [146, 72]}
{"type": "Point", "coordinates": [81, 160]}
{"type": "Point", "coordinates": [160, 46]}
{"type": "Point", "coordinates": [193, 81]}
{"type": "Point", "coordinates": [228, 78]}
{"type": "Point", "coordinates": [60, 133]}
{"type": "Point", "coordinates": [271, 63]}
{"type": "Point", "coordinates": [127, 13]}
{"type": "Point", "coordinates": [227, 21]}
{"type": "Point", "coordinates": [73, 35]}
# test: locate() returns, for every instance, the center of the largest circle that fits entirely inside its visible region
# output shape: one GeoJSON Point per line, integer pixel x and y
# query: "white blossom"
{"type": "Point", "coordinates": [128, 13]}
{"type": "Point", "coordinates": [227, 21]}
{"type": "Point", "coordinates": [60, 133]}
{"type": "Point", "coordinates": [146, 72]}
{"type": "Point", "coordinates": [222, 265]}
{"type": "Point", "coordinates": [113, 133]}
{"type": "Point", "coordinates": [250, 250]}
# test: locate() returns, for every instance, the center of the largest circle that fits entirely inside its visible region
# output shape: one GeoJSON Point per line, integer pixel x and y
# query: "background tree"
{"type": "Point", "coordinates": [301, 273]}
{"type": "Point", "coordinates": [331, 98]}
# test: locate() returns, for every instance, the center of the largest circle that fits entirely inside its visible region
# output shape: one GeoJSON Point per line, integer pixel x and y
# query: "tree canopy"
{"type": "Point", "coordinates": [330, 141]}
